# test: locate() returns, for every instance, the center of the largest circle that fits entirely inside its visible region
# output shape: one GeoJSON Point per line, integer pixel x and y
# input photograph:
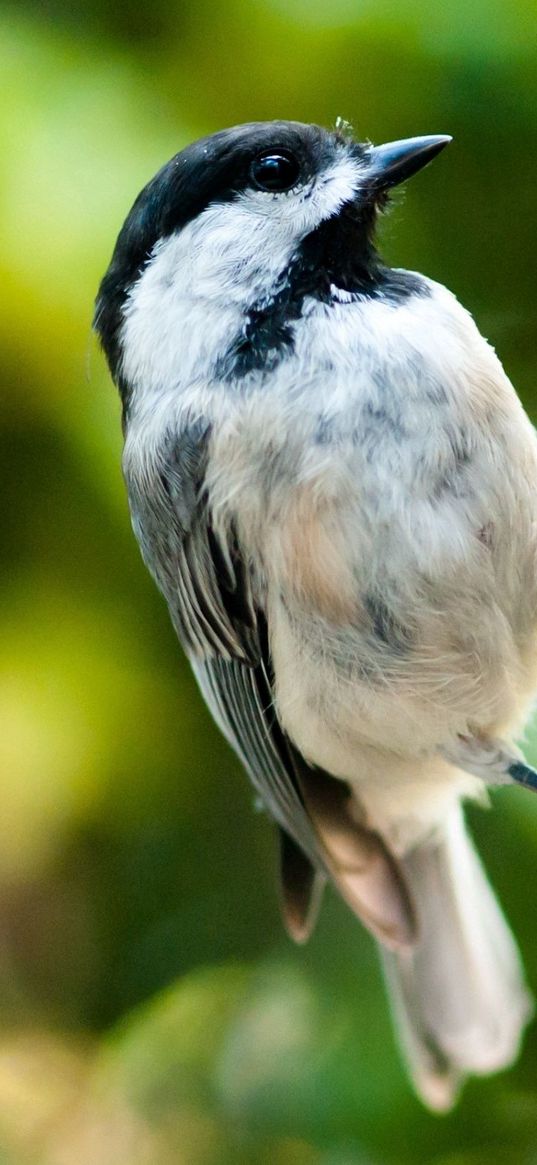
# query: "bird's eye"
{"type": "Point", "coordinates": [275, 172]}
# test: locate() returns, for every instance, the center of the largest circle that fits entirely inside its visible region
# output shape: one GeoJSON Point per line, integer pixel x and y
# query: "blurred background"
{"type": "Point", "coordinates": [151, 1009]}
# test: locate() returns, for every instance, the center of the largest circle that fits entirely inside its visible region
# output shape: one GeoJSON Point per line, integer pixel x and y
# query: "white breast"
{"type": "Point", "coordinates": [405, 484]}
{"type": "Point", "coordinates": [383, 481]}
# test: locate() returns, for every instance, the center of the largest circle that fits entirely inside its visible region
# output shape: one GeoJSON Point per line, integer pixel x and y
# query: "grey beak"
{"type": "Point", "coordinates": [397, 161]}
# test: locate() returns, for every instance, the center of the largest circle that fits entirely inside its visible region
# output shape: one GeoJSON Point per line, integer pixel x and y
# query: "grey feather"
{"type": "Point", "coordinates": [242, 707]}
{"type": "Point", "coordinates": [458, 996]}
{"type": "Point", "coordinates": [220, 619]}
{"type": "Point", "coordinates": [301, 889]}
{"type": "Point", "coordinates": [195, 575]}
{"type": "Point", "coordinates": [209, 594]}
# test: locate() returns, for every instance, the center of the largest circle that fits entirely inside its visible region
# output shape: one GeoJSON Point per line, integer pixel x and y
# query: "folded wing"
{"type": "Point", "coordinates": [220, 619]}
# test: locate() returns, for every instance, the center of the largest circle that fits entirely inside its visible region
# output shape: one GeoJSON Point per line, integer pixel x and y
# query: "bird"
{"type": "Point", "coordinates": [334, 485]}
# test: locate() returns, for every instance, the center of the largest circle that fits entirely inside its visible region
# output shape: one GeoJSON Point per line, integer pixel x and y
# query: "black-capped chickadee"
{"type": "Point", "coordinates": [334, 485]}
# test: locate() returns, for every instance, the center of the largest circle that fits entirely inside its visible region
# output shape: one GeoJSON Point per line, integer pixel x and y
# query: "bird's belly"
{"type": "Point", "coordinates": [389, 641]}
{"type": "Point", "coordinates": [395, 539]}
{"type": "Point", "coordinates": [336, 692]}
{"type": "Point", "coordinates": [379, 731]}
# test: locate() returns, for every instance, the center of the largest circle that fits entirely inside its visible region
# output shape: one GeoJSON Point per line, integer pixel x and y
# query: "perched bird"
{"type": "Point", "coordinates": [334, 486]}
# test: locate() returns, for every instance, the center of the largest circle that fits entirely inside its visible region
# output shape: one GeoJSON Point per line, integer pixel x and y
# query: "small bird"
{"type": "Point", "coordinates": [334, 486]}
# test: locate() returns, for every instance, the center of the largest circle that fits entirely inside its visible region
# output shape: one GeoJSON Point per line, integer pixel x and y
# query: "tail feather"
{"type": "Point", "coordinates": [301, 889]}
{"type": "Point", "coordinates": [459, 998]}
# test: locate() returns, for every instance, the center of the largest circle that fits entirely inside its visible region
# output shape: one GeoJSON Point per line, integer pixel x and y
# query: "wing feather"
{"type": "Point", "coordinates": [219, 617]}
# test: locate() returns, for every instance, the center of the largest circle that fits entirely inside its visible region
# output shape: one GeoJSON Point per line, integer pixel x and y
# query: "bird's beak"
{"type": "Point", "coordinates": [396, 161]}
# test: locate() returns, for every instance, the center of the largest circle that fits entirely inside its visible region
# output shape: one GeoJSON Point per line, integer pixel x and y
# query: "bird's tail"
{"type": "Point", "coordinates": [458, 996]}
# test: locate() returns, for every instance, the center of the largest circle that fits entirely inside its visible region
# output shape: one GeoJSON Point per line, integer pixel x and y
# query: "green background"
{"type": "Point", "coordinates": [151, 1009]}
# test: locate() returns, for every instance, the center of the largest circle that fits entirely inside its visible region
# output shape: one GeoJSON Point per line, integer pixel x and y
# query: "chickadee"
{"type": "Point", "coordinates": [334, 486]}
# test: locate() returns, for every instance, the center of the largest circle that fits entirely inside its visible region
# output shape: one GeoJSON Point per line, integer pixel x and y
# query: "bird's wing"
{"type": "Point", "coordinates": [220, 619]}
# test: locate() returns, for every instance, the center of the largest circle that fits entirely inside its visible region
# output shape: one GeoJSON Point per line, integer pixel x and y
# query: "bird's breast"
{"type": "Point", "coordinates": [375, 488]}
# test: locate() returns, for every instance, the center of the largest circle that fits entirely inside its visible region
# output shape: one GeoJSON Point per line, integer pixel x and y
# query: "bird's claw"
{"type": "Point", "coordinates": [491, 760]}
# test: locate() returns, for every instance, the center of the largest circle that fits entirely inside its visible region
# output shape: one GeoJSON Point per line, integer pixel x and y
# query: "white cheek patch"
{"type": "Point", "coordinates": [191, 298]}
{"type": "Point", "coordinates": [236, 250]}
{"type": "Point", "coordinates": [177, 320]}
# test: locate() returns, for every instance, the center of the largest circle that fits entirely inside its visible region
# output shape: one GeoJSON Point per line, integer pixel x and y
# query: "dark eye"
{"type": "Point", "coordinates": [275, 172]}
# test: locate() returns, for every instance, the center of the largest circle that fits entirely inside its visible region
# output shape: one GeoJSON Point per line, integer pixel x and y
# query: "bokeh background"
{"type": "Point", "coordinates": [151, 1009]}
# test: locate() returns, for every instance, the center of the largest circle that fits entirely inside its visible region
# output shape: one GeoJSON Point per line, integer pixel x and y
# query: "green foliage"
{"type": "Point", "coordinates": [152, 1011]}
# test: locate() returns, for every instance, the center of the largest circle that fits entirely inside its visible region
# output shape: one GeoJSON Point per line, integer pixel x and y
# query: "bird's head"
{"type": "Point", "coordinates": [250, 213]}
